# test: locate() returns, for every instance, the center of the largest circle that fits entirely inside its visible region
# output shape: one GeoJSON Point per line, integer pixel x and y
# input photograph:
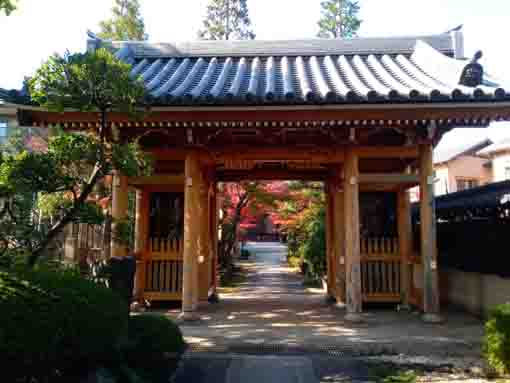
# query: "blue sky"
{"type": "Point", "coordinates": [40, 28]}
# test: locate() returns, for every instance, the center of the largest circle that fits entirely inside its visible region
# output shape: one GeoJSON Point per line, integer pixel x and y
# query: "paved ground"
{"type": "Point", "coordinates": [274, 328]}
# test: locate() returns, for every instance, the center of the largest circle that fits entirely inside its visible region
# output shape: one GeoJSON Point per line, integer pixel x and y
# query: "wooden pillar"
{"type": "Point", "coordinates": [404, 243]}
{"type": "Point", "coordinates": [204, 251]}
{"type": "Point", "coordinates": [330, 255]}
{"type": "Point", "coordinates": [192, 229]}
{"type": "Point", "coordinates": [72, 246]}
{"type": "Point", "coordinates": [214, 240]}
{"type": "Point", "coordinates": [141, 225]}
{"type": "Point", "coordinates": [338, 239]}
{"type": "Point", "coordinates": [428, 236]}
{"type": "Point", "coordinates": [119, 212]}
{"type": "Point", "coordinates": [352, 238]}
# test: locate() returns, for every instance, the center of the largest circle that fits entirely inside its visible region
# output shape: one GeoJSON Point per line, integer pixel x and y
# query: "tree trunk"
{"type": "Point", "coordinates": [66, 219]}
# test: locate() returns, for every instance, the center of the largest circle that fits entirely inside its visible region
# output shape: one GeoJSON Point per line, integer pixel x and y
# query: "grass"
{"type": "Point", "coordinates": [294, 261]}
{"type": "Point", "coordinates": [387, 374]}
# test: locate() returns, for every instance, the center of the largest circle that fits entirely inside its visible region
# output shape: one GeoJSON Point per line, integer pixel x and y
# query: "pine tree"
{"type": "Point", "coordinates": [225, 20]}
{"type": "Point", "coordinates": [339, 19]}
{"type": "Point", "coordinates": [7, 6]}
{"type": "Point", "coordinates": [125, 24]}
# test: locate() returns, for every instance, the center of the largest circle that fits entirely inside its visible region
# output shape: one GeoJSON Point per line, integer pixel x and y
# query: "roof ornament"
{"type": "Point", "coordinates": [472, 75]}
{"type": "Point", "coordinates": [93, 36]}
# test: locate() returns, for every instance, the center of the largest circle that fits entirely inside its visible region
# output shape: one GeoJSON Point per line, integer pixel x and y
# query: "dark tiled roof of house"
{"type": "Point", "coordinates": [469, 146]}
{"type": "Point", "coordinates": [495, 147]}
{"type": "Point", "coordinates": [372, 70]}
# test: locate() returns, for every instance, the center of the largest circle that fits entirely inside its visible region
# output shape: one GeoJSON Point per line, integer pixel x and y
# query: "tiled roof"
{"type": "Point", "coordinates": [304, 72]}
{"type": "Point", "coordinates": [496, 147]}
{"type": "Point", "coordinates": [468, 147]}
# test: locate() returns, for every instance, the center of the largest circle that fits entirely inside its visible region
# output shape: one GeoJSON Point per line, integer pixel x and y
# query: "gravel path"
{"type": "Point", "coordinates": [273, 321]}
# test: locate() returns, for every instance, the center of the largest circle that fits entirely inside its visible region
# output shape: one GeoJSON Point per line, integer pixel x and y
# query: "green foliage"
{"type": "Point", "coordinates": [8, 6]}
{"type": "Point", "coordinates": [339, 19]}
{"type": "Point", "coordinates": [306, 238]}
{"type": "Point", "coordinates": [57, 323]}
{"type": "Point", "coordinates": [125, 24]}
{"type": "Point", "coordinates": [313, 247]}
{"type": "Point", "coordinates": [155, 346]}
{"type": "Point", "coordinates": [225, 20]}
{"type": "Point", "coordinates": [92, 81]}
{"type": "Point", "coordinates": [497, 339]}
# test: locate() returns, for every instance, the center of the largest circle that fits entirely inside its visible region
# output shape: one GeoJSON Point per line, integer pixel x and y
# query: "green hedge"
{"type": "Point", "coordinates": [155, 346]}
{"type": "Point", "coordinates": [57, 324]}
{"type": "Point", "coordinates": [497, 339]}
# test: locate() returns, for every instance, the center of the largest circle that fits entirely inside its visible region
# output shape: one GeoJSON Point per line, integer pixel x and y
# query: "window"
{"type": "Point", "coordinates": [507, 172]}
{"type": "Point", "coordinates": [466, 183]}
{"type": "Point", "coordinates": [3, 130]}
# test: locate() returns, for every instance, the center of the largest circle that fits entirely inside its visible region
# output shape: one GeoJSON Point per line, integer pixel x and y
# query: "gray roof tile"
{"type": "Point", "coordinates": [304, 71]}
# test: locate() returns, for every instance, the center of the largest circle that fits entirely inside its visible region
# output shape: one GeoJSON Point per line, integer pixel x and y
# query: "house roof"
{"type": "Point", "coordinates": [444, 154]}
{"type": "Point", "coordinates": [361, 70]}
{"type": "Point", "coordinates": [495, 147]}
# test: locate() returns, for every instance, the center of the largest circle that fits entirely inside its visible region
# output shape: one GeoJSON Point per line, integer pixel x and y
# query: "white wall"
{"type": "Point", "coordinates": [476, 293]}
{"type": "Point", "coordinates": [499, 163]}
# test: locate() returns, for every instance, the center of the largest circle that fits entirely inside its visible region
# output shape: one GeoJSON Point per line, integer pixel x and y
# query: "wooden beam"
{"type": "Point", "coordinates": [384, 112]}
{"type": "Point", "coordinates": [352, 238]}
{"type": "Point", "coordinates": [389, 178]}
{"type": "Point", "coordinates": [271, 174]}
{"type": "Point", "coordinates": [157, 179]}
{"type": "Point", "coordinates": [428, 237]}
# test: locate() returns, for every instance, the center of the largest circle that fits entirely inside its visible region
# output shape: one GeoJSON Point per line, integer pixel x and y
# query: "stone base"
{"type": "Point", "coordinates": [189, 316]}
{"type": "Point", "coordinates": [353, 317]}
{"type": "Point", "coordinates": [214, 298]}
{"type": "Point", "coordinates": [432, 318]}
{"type": "Point", "coordinates": [404, 307]}
{"type": "Point", "coordinates": [340, 305]}
{"type": "Point", "coordinates": [202, 304]}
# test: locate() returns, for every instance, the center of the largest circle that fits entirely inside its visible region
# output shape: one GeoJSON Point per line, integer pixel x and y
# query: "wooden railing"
{"type": "Point", "coordinates": [163, 269]}
{"type": "Point", "coordinates": [380, 269]}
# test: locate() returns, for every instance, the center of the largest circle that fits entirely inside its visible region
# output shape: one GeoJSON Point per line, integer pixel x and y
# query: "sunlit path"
{"type": "Point", "coordinates": [273, 312]}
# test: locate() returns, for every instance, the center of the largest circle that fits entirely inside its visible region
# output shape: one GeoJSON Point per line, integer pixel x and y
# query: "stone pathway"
{"type": "Point", "coordinates": [274, 329]}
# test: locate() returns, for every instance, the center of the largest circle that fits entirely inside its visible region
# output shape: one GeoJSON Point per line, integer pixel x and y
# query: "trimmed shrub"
{"type": "Point", "coordinates": [497, 339]}
{"type": "Point", "coordinates": [57, 324]}
{"type": "Point", "coordinates": [155, 346]}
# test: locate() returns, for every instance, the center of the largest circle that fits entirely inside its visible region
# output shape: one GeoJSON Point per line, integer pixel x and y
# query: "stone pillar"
{"type": "Point", "coordinates": [352, 238]}
{"type": "Point", "coordinates": [404, 243]}
{"type": "Point", "coordinates": [119, 212]}
{"type": "Point", "coordinates": [338, 239]}
{"type": "Point", "coordinates": [428, 237]}
{"type": "Point", "coordinates": [192, 218]}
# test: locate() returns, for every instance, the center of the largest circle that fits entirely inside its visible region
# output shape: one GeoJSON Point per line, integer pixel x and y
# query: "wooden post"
{"type": "Point", "coordinates": [119, 212]}
{"type": "Point", "coordinates": [329, 241]}
{"type": "Point", "coordinates": [192, 229]}
{"type": "Point", "coordinates": [404, 243]}
{"type": "Point", "coordinates": [352, 238]}
{"type": "Point", "coordinates": [428, 237]}
{"type": "Point", "coordinates": [72, 246]}
{"type": "Point", "coordinates": [338, 239]}
{"type": "Point", "coordinates": [204, 251]}
{"type": "Point", "coordinates": [141, 214]}
{"type": "Point", "coordinates": [213, 235]}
